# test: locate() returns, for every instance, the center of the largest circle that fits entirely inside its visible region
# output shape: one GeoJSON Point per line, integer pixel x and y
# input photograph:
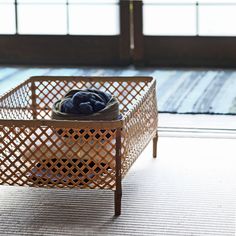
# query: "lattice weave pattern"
{"type": "Point", "coordinates": [38, 151]}
{"type": "Point", "coordinates": [139, 128]}
{"type": "Point", "coordinates": [62, 157]}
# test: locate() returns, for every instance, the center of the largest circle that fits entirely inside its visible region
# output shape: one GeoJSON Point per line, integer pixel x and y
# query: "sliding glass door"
{"type": "Point", "coordinates": [185, 32]}
{"type": "Point", "coordinates": [118, 32]}
{"type": "Point", "coordinates": [69, 32]}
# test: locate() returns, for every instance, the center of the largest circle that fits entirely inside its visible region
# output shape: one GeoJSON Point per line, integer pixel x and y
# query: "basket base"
{"type": "Point", "coordinates": [42, 174]}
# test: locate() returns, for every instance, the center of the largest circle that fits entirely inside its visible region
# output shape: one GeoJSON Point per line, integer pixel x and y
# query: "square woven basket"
{"type": "Point", "coordinates": [38, 151]}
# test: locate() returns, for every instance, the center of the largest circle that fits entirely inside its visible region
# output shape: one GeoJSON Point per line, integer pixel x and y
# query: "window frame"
{"type": "Point", "coordinates": [180, 51]}
{"type": "Point", "coordinates": [70, 49]}
{"type": "Point", "coordinates": [130, 46]}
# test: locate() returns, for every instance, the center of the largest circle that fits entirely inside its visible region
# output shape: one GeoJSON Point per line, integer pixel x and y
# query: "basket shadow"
{"type": "Point", "coordinates": [46, 209]}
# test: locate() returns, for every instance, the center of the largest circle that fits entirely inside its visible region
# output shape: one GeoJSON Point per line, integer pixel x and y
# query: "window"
{"type": "Point", "coordinates": [217, 19]}
{"type": "Point", "coordinates": [169, 18]}
{"type": "Point", "coordinates": [42, 17]}
{"type": "Point", "coordinates": [189, 17]}
{"type": "Point", "coordinates": [68, 32]}
{"type": "Point", "coordinates": [118, 32]}
{"type": "Point", "coordinates": [7, 17]}
{"type": "Point", "coordinates": [94, 17]}
{"type": "Point", "coordinates": [59, 17]}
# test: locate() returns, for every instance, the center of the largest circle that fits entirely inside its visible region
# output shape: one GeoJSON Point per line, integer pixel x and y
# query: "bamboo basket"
{"type": "Point", "coordinates": [38, 151]}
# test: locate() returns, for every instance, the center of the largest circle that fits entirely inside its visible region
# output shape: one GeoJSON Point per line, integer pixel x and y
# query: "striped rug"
{"type": "Point", "coordinates": [196, 91]}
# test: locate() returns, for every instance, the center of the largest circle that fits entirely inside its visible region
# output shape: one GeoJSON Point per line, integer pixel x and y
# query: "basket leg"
{"type": "Point", "coordinates": [118, 196]}
{"type": "Point", "coordinates": [155, 140]}
{"type": "Point", "coordinates": [118, 191]}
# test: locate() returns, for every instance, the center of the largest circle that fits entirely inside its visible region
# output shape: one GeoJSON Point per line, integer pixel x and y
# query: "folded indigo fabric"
{"type": "Point", "coordinates": [88, 104]}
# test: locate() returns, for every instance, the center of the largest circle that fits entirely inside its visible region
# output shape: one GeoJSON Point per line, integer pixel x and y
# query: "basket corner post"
{"type": "Point", "coordinates": [155, 140]}
{"type": "Point", "coordinates": [118, 191]}
{"type": "Point", "coordinates": [33, 99]}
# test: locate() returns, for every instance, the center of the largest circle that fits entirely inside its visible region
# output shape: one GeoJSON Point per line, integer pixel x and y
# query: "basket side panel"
{"type": "Point", "coordinates": [17, 103]}
{"type": "Point", "coordinates": [57, 157]}
{"type": "Point", "coordinates": [139, 128]}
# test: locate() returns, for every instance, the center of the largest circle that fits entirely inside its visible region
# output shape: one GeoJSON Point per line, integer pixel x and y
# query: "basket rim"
{"type": "Point", "coordinates": [93, 78]}
{"type": "Point", "coordinates": [119, 123]}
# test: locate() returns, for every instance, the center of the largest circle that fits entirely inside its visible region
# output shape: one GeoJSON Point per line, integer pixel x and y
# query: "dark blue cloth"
{"type": "Point", "coordinates": [86, 101]}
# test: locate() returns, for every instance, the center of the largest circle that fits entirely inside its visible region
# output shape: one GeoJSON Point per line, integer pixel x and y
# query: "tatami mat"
{"type": "Point", "coordinates": [189, 189]}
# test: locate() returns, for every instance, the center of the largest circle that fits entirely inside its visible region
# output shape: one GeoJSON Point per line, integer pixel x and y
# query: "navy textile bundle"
{"type": "Point", "coordinates": [88, 104]}
{"type": "Point", "coordinates": [85, 101]}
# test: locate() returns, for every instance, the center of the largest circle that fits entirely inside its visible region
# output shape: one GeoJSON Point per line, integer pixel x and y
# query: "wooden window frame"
{"type": "Point", "coordinates": [70, 49]}
{"type": "Point", "coordinates": [181, 51]}
{"type": "Point", "coordinates": [130, 46]}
